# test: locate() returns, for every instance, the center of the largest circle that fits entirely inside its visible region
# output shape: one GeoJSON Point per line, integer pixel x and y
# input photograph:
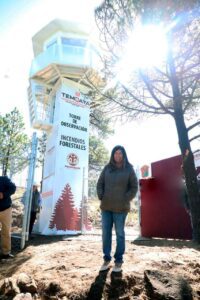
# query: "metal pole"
{"type": "Point", "coordinates": [28, 195]}
{"type": "Point", "coordinates": [139, 201]}
{"type": "Point", "coordinates": [82, 200]}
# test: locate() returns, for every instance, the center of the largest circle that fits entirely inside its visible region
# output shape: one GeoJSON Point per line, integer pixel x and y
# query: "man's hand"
{"type": "Point", "coordinates": [1, 195]}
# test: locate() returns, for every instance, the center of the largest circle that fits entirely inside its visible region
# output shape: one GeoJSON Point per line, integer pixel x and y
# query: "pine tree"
{"type": "Point", "coordinates": [14, 143]}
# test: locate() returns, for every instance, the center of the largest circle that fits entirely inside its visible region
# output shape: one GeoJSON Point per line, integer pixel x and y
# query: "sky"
{"type": "Point", "coordinates": [146, 141]}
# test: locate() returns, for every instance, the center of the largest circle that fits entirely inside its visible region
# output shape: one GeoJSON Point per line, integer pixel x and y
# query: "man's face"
{"type": "Point", "coordinates": [34, 187]}
{"type": "Point", "coordinates": [118, 156]}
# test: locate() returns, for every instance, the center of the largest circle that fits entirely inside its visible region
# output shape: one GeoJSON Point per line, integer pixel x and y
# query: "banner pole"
{"type": "Point", "coordinates": [82, 201]}
{"type": "Point", "coordinates": [28, 195]}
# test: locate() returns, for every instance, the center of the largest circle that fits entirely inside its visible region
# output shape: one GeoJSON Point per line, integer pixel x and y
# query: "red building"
{"type": "Point", "coordinates": [162, 211]}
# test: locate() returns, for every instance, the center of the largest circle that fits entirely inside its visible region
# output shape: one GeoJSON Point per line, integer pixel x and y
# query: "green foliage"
{"type": "Point", "coordinates": [100, 123]}
{"type": "Point", "coordinates": [41, 148]}
{"type": "Point", "coordinates": [14, 143]}
{"type": "Point", "coordinates": [98, 154]}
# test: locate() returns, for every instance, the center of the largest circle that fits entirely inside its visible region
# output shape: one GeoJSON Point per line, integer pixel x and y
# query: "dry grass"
{"type": "Point", "coordinates": [94, 213]}
{"type": "Point", "coordinates": [17, 210]}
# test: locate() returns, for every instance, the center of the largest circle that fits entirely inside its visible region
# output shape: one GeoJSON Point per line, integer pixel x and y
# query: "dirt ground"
{"type": "Point", "coordinates": [72, 264]}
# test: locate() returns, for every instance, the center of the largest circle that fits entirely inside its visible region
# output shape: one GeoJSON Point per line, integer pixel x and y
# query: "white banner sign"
{"type": "Point", "coordinates": [66, 159]}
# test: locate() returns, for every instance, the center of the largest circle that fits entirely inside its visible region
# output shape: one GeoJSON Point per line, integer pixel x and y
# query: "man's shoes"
{"type": "Point", "coordinates": [105, 266]}
{"type": "Point", "coordinates": [117, 267]}
{"type": "Point", "coordinates": [6, 256]}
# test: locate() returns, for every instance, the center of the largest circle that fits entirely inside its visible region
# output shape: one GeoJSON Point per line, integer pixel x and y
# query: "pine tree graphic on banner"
{"type": "Point", "coordinates": [63, 217]}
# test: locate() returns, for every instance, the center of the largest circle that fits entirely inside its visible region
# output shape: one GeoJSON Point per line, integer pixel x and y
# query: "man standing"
{"type": "Point", "coordinates": [35, 206]}
{"type": "Point", "coordinates": [7, 188]}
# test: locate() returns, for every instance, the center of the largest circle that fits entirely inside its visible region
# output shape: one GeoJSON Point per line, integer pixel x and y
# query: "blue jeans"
{"type": "Point", "coordinates": [118, 219]}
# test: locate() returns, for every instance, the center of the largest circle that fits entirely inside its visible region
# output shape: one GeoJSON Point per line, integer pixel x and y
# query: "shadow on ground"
{"type": "Point", "coordinates": [159, 242]}
{"type": "Point", "coordinates": [115, 287]}
{"type": "Point", "coordinates": [8, 267]}
{"type": "Point", "coordinates": [37, 240]}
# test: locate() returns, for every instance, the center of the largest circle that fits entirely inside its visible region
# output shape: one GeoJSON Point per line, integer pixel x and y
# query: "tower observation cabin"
{"type": "Point", "coordinates": [62, 50]}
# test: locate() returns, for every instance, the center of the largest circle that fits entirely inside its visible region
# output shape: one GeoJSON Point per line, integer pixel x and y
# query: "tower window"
{"type": "Point", "coordinates": [73, 42]}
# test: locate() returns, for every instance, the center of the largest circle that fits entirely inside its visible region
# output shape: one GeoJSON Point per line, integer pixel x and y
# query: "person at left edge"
{"type": "Point", "coordinates": [7, 188]}
{"type": "Point", "coordinates": [36, 204]}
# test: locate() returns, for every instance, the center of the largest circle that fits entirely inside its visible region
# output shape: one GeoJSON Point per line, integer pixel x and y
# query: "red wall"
{"type": "Point", "coordinates": [162, 212]}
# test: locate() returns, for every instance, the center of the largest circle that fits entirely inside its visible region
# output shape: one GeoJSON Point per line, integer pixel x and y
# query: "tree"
{"type": "Point", "coordinates": [98, 154]}
{"type": "Point", "coordinates": [42, 141]}
{"type": "Point", "coordinates": [100, 129]}
{"type": "Point", "coordinates": [173, 88]}
{"type": "Point", "coordinates": [98, 157]}
{"type": "Point", "coordinates": [99, 120]}
{"type": "Point", "coordinates": [14, 143]}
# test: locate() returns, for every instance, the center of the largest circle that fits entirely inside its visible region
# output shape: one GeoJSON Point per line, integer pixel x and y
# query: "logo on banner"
{"type": "Point", "coordinates": [77, 99]}
{"type": "Point", "coordinates": [72, 159]}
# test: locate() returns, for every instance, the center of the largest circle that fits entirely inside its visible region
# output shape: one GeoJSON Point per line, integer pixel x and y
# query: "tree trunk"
{"type": "Point", "coordinates": [190, 176]}
{"type": "Point", "coordinates": [4, 168]}
{"type": "Point", "coordinates": [6, 162]}
{"type": "Point", "coordinates": [184, 144]}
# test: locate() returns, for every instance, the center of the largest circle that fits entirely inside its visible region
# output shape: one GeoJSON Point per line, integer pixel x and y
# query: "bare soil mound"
{"type": "Point", "coordinates": [68, 268]}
